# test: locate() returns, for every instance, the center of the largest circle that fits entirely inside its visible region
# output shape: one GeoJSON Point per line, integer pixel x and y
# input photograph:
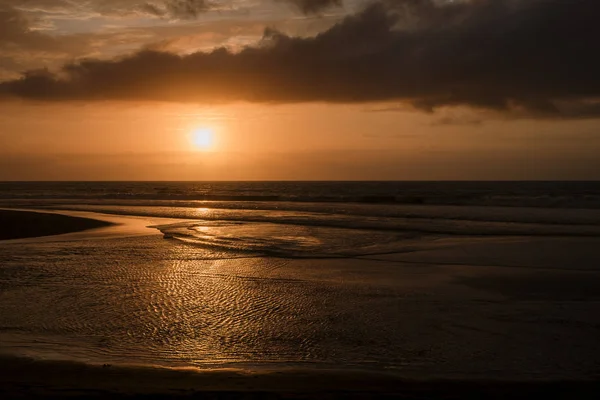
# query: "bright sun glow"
{"type": "Point", "coordinates": [203, 138]}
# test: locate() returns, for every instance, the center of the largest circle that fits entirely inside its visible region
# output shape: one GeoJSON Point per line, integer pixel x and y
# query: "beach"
{"type": "Point", "coordinates": [284, 300]}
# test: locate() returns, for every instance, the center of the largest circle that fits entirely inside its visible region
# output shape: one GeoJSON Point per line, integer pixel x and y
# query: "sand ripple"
{"type": "Point", "coordinates": [155, 301]}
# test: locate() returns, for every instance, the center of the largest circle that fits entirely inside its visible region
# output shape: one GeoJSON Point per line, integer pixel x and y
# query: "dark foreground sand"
{"type": "Point", "coordinates": [25, 378]}
{"type": "Point", "coordinates": [25, 224]}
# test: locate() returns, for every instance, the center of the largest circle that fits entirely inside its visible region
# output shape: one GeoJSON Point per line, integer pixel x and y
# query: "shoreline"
{"type": "Point", "coordinates": [28, 378]}
{"type": "Point", "coordinates": [20, 224]}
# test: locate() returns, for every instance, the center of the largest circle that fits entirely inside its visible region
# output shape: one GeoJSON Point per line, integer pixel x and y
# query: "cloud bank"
{"type": "Point", "coordinates": [534, 57]}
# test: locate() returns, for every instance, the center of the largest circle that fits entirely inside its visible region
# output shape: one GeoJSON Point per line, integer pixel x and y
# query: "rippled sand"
{"type": "Point", "coordinates": [497, 307]}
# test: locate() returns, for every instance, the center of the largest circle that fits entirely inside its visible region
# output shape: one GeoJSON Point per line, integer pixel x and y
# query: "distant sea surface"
{"type": "Point", "coordinates": [469, 279]}
{"type": "Point", "coordinates": [576, 194]}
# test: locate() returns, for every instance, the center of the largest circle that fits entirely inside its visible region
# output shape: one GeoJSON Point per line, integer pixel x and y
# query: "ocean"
{"type": "Point", "coordinates": [444, 279]}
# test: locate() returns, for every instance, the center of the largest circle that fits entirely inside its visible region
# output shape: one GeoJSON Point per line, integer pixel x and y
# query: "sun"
{"type": "Point", "coordinates": [203, 138]}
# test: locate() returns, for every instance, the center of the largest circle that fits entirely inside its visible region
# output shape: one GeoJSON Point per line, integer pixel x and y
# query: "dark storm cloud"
{"type": "Point", "coordinates": [533, 57]}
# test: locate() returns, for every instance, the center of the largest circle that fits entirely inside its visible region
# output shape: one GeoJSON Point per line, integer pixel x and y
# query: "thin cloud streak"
{"type": "Point", "coordinates": [314, 6]}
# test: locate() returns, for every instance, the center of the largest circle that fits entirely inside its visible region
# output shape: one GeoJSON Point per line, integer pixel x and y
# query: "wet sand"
{"type": "Point", "coordinates": [25, 378]}
{"type": "Point", "coordinates": [25, 224]}
{"type": "Point", "coordinates": [550, 283]}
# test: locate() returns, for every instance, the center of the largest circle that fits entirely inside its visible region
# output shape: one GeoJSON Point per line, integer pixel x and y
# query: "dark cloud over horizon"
{"type": "Point", "coordinates": [534, 57]}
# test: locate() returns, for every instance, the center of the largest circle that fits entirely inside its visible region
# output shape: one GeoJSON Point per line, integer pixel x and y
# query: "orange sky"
{"type": "Point", "coordinates": [149, 139]}
{"type": "Point", "coordinates": [114, 141]}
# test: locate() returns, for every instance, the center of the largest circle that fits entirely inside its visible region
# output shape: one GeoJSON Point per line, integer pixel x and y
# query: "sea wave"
{"type": "Point", "coordinates": [431, 219]}
{"type": "Point", "coordinates": [351, 231]}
